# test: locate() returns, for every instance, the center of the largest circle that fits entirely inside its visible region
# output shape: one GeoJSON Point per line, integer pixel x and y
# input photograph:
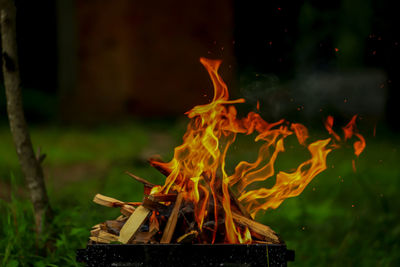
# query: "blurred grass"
{"type": "Point", "coordinates": [341, 219]}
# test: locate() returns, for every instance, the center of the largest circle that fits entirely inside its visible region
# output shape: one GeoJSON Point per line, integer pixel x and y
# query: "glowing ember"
{"type": "Point", "coordinates": [198, 166]}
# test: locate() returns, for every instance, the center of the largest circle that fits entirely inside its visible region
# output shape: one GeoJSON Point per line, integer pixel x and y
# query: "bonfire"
{"type": "Point", "coordinates": [200, 201]}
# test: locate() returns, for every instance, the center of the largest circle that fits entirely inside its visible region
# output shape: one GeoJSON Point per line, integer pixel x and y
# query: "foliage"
{"type": "Point", "coordinates": [19, 245]}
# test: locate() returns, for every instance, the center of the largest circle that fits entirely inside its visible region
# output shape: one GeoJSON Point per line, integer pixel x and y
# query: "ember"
{"type": "Point", "coordinates": [200, 203]}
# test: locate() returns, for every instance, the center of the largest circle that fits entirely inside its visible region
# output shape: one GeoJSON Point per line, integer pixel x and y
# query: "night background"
{"type": "Point", "coordinates": [106, 85]}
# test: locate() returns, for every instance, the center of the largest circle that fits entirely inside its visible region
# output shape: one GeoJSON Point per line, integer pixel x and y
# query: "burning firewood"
{"type": "Point", "coordinates": [238, 204]}
{"type": "Point", "coordinates": [262, 230]}
{"type": "Point", "coordinates": [168, 218]}
{"type": "Point", "coordinates": [147, 185]}
{"type": "Point", "coordinates": [163, 198]}
{"type": "Point", "coordinates": [141, 180]}
{"type": "Point", "coordinates": [158, 164]}
{"type": "Point", "coordinates": [188, 238]}
{"type": "Point", "coordinates": [153, 205]}
{"type": "Point", "coordinates": [173, 218]}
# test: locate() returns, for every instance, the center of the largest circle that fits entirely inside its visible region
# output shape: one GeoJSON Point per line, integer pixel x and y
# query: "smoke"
{"type": "Point", "coordinates": [308, 96]}
{"type": "Point", "coordinates": [268, 90]}
{"type": "Point", "coordinates": [347, 93]}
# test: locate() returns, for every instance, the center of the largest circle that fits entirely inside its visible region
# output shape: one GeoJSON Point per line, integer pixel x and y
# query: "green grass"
{"type": "Point", "coordinates": [341, 219]}
{"type": "Point", "coordinates": [345, 218]}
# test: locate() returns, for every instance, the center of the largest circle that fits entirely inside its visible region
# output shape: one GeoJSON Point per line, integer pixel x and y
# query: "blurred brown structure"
{"type": "Point", "coordinates": [139, 57]}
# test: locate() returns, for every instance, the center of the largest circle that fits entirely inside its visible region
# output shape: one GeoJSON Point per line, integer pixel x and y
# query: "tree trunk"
{"type": "Point", "coordinates": [30, 165]}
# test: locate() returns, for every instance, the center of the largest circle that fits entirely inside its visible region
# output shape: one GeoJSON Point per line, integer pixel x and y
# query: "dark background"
{"type": "Point", "coordinates": [106, 84]}
{"type": "Point", "coordinates": [271, 49]}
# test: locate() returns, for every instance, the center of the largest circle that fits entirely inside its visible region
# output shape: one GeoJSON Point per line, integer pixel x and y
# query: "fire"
{"type": "Point", "coordinates": [198, 165]}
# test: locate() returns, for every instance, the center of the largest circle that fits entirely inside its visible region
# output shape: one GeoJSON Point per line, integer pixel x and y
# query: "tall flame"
{"type": "Point", "coordinates": [198, 165]}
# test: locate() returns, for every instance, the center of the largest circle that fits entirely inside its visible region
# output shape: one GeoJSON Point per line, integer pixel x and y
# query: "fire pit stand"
{"type": "Point", "coordinates": [185, 255]}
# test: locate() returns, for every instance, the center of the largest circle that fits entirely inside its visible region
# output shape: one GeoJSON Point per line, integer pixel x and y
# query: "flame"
{"type": "Point", "coordinates": [359, 146]}
{"type": "Point", "coordinates": [289, 184]}
{"type": "Point", "coordinates": [301, 132]}
{"type": "Point", "coordinates": [198, 165]}
{"type": "Point", "coordinates": [349, 130]}
{"type": "Point", "coordinates": [329, 126]}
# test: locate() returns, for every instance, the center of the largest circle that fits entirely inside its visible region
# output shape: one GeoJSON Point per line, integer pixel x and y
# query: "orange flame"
{"type": "Point", "coordinates": [329, 126]}
{"type": "Point", "coordinates": [350, 130]}
{"type": "Point", "coordinates": [301, 132]}
{"type": "Point", "coordinates": [198, 165]}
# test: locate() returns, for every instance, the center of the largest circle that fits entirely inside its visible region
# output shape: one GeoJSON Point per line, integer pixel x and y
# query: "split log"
{"type": "Point", "coordinates": [108, 236]}
{"type": "Point", "coordinates": [104, 237]}
{"type": "Point", "coordinates": [96, 226]}
{"type": "Point", "coordinates": [157, 164]}
{"type": "Point", "coordinates": [146, 237]}
{"type": "Point", "coordinates": [107, 201]}
{"type": "Point", "coordinates": [142, 238]}
{"type": "Point", "coordinates": [258, 228]}
{"type": "Point", "coordinates": [147, 185]}
{"type": "Point", "coordinates": [163, 197]}
{"type": "Point", "coordinates": [154, 225]}
{"type": "Point", "coordinates": [141, 180]}
{"type": "Point", "coordinates": [239, 205]}
{"type": "Point", "coordinates": [122, 218]}
{"type": "Point", "coordinates": [95, 232]}
{"type": "Point", "coordinates": [188, 237]}
{"type": "Point", "coordinates": [152, 205]}
{"type": "Point", "coordinates": [127, 210]}
{"type": "Point", "coordinates": [171, 224]}
{"type": "Point", "coordinates": [101, 226]}
{"type": "Point", "coordinates": [133, 224]}
{"type": "Point", "coordinates": [114, 226]}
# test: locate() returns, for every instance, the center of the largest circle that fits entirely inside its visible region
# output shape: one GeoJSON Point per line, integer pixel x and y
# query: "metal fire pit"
{"type": "Point", "coordinates": [185, 255]}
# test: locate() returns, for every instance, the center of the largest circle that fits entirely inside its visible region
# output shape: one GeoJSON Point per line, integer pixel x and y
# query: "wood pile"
{"type": "Point", "coordinates": [169, 218]}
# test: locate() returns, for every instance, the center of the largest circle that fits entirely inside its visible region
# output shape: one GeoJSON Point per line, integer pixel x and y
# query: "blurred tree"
{"type": "Point", "coordinates": [30, 165]}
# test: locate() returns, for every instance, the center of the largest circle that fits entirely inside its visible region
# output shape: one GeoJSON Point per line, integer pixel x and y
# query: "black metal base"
{"type": "Point", "coordinates": [185, 255]}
